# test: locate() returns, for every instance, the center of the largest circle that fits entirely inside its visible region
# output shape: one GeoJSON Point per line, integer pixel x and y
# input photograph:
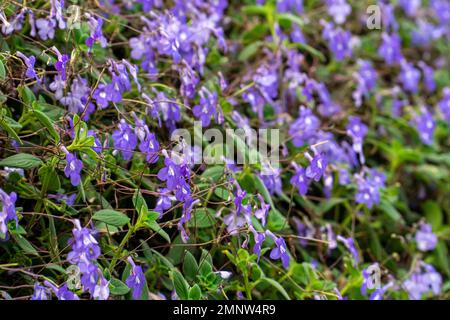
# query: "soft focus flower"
{"type": "Point", "coordinates": [349, 243]}
{"type": "Point", "coordinates": [425, 238]}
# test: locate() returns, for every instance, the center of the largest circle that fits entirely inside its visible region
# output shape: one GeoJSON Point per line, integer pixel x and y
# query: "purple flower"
{"type": "Point", "coordinates": [46, 28]}
{"type": "Point", "coordinates": [8, 212]}
{"type": "Point", "coordinates": [77, 99]}
{"type": "Point", "coordinates": [234, 222]}
{"type": "Point", "coordinates": [136, 280]}
{"type": "Point", "coordinates": [271, 178]}
{"type": "Point", "coordinates": [444, 105]}
{"type": "Point", "coordinates": [15, 24]}
{"type": "Point", "coordinates": [304, 128]}
{"type": "Point", "coordinates": [409, 77]}
{"type": "Point", "coordinates": [304, 230]}
{"type": "Point", "coordinates": [317, 166]}
{"type": "Point", "coordinates": [97, 144]}
{"type": "Point", "coordinates": [69, 200]}
{"type": "Point", "coordinates": [262, 213]}
{"type": "Point", "coordinates": [369, 188]}
{"type": "Point", "coordinates": [95, 25]}
{"type": "Point", "coordinates": [29, 62]}
{"type": "Point", "coordinates": [366, 78]}
{"type": "Point", "coordinates": [280, 251]}
{"type": "Point", "coordinates": [349, 243]}
{"type": "Point", "coordinates": [428, 75]}
{"type": "Point", "coordinates": [425, 238]}
{"type": "Point", "coordinates": [40, 292]}
{"type": "Point", "coordinates": [300, 180]}
{"type": "Point", "coordinates": [357, 131]}
{"type": "Point", "coordinates": [85, 249]}
{"type": "Point", "coordinates": [410, 6]}
{"type": "Point", "coordinates": [56, 8]}
{"type": "Point", "coordinates": [101, 291]}
{"type": "Point", "coordinates": [207, 107]}
{"type": "Point", "coordinates": [338, 40]}
{"type": "Point", "coordinates": [441, 9]}
{"type": "Point", "coordinates": [290, 6]}
{"type": "Point", "coordinates": [378, 293]}
{"type": "Point", "coordinates": [170, 174]}
{"type": "Point", "coordinates": [425, 126]}
{"type": "Point", "coordinates": [425, 279]}
{"type": "Point", "coordinates": [390, 48]}
{"type": "Point", "coordinates": [124, 140]}
{"type": "Point", "coordinates": [259, 239]}
{"type": "Point", "coordinates": [338, 10]}
{"type": "Point", "coordinates": [73, 168]}
{"type": "Point", "coordinates": [238, 201]}
{"type": "Point", "coordinates": [164, 201]}
{"type": "Point", "coordinates": [60, 65]}
{"type": "Point", "coordinates": [62, 293]}
{"type": "Point", "coordinates": [101, 97]}
{"type": "Point", "coordinates": [370, 277]}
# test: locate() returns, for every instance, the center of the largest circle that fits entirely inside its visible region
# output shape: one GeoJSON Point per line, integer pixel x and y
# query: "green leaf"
{"type": "Point", "coordinates": [157, 228]}
{"type": "Point", "coordinates": [202, 218]}
{"type": "Point", "coordinates": [25, 245]}
{"type": "Point", "coordinates": [112, 217]}
{"type": "Point", "coordinates": [190, 266]}
{"type": "Point", "coordinates": [49, 178]}
{"type": "Point", "coordinates": [390, 211]}
{"type": "Point", "coordinates": [8, 128]}
{"type": "Point", "coordinates": [21, 160]}
{"type": "Point", "coordinates": [433, 213]}
{"type": "Point", "coordinates": [195, 293]}
{"type": "Point", "coordinates": [118, 288]}
{"type": "Point", "coordinates": [180, 284]}
{"type": "Point", "coordinates": [2, 71]}
{"type": "Point", "coordinates": [46, 122]}
{"type": "Point", "coordinates": [277, 286]}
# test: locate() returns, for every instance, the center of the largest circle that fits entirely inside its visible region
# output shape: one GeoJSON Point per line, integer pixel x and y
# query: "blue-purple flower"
{"type": "Point", "coordinates": [426, 240]}
{"type": "Point", "coordinates": [280, 251]}
{"type": "Point", "coordinates": [136, 279]}
{"type": "Point", "coordinates": [125, 141]}
{"type": "Point", "coordinates": [8, 212]}
{"type": "Point", "coordinates": [73, 168]}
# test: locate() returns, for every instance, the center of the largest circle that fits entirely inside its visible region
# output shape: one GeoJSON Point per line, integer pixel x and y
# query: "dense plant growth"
{"type": "Point", "coordinates": [96, 204]}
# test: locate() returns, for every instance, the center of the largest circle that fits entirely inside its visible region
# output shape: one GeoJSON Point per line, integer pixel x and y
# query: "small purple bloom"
{"type": "Point", "coordinates": [425, 126]}
{"type": "Point", "coordinates": [73, 169]}
{"type": "Point", "coordinates": [409, 77]}
{"type": "Point", "coordinates": [280, 251]}
{"type": "Point", "coordinates": [444, 105]}
{"type": "Point", "coordinates": [95, 26]}
{"type": "Point", "coordinates": [338, 10]}
{"type": "Point", "coordinates": [338, 40]}
{"type": "Point", "coordinates": [349, 243]}
{"type": "Point", "coordinates": [317, 166]}
{"type": "Point", "coordinates": [8, 212]}
{"type": "Point", "coordinates": [425, 238]}
{"type": "Point", "coordinates": [304, 128]}
{"type": "Point", "coordinates": [390, 48]}
{"type": "Point", "coordinates": [29, 62]}
{"type": "Point", "coordinates": [46, 28]}
{"type": "Point", "coordinates": [300, 180]}
{"type": "Point", "coordinates": [136, 280]}
{"type": "Point", "coordinates": [125, 140]}
{"type": "Point", "coordinates": [40, 292]}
